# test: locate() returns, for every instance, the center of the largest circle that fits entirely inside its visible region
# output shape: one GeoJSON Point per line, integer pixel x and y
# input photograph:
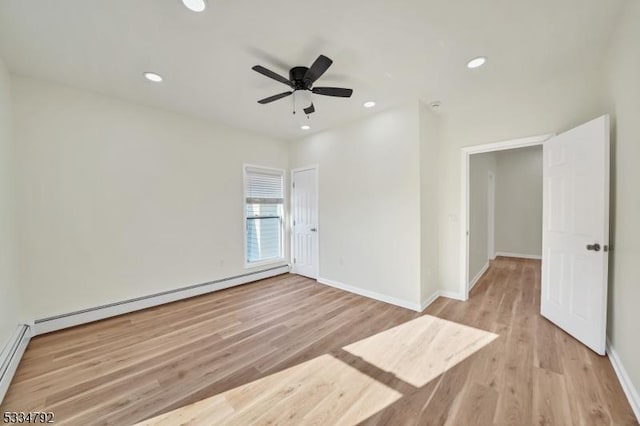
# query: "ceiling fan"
{"type": "Point", "coordinates": [302, 78]}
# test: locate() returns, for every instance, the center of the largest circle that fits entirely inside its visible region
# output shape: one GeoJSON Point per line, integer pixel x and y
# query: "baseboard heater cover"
{"type": "Point", "coordinates": [58, 322]}
{"type": "Point", "coordinates": [11, 356]}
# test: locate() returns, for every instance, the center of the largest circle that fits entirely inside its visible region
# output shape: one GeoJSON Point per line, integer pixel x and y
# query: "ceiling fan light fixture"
{"type": "Point", "coordinates": [152, 76]}
{"type": "Point", "coordinates": [369, 104]}
{"type": "Point", "coordinates": [477, 62]}
{"type": "Point", "coordinates": [195, 5]}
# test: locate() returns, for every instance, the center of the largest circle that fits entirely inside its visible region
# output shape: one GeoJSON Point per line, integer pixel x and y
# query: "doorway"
{"type": "Point", "coordinates": [476, 253]}
{"type": "Point", "coordinates": [505, 211]}
{"type": "Point", "coordinates": [304, 222]}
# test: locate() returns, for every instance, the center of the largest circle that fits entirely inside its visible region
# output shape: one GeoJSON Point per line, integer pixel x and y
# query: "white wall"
{"type": "Point", "coordinates": [554, 104]}
{"type": "Point", "coordinates": [120, 200]}
{"type": "Point", "coordinates": [624, 288]}
{"type": "Point", "coordinates": [479, 167]}
{"type": "Point", "coordinates": [519, 201]}
{"type": "Point", "coordinates": [369, 212]}
{"type": "Point", "coordinates": [429, 143]}
{"type": "Point", "coordinates": [9, 297]}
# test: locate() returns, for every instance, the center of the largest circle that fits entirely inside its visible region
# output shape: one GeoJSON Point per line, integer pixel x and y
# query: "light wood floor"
{"type": "Point", "coordinates": [290, 351]}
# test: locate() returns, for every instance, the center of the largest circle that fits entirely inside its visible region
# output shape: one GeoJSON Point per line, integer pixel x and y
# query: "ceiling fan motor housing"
{"type": "Point", "coordinates": [296, 75]}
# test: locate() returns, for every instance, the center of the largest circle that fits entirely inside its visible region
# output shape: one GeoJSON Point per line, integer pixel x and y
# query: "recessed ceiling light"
{"type": "Point", "coordinates": [152, 76]}
{"type": "Point", "coordinates": [369, 104]}
{"type": "Point", "coordinates": [436, 104]}
{"type": "Point", "coordinates": [305, 127]}
{"type": "Point", "coordinates": [195, 5]}
{"type": "Point", "coordinates": [477, 62]}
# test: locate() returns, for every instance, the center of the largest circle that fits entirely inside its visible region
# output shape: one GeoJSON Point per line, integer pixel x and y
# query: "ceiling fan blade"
{"type": "Point", "coordinates": [277, 77]}
{"type": "Point", "coordinates": [333, 91]}
{"type": "Point", "coordinates": [274, 97]}
{"type": "Point", "coordinates": [310, 109]}
{"type": "Point", "coordinates": [318, 68]}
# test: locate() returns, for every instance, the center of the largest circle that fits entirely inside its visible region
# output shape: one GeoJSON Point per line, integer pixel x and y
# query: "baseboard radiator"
{"type": "Point", "coordinates": [58, 322]}
{"type": "Point", "coordinates": [11, 356]}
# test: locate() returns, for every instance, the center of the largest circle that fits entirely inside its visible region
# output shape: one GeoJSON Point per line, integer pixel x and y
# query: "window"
{"type": "Point", "coordinates": [264, 214]}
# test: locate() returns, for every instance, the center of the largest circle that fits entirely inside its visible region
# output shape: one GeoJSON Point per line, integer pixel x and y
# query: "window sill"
{"type": "Point", "coordinates": [269, 262]}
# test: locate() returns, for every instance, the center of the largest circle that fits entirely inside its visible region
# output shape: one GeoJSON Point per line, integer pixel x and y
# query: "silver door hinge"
{"type": "Point", "coordinates": [294, 184]}
{"type": "Point", "coordinates": [294, 260]}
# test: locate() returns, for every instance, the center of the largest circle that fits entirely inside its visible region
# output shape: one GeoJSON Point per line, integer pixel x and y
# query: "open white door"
{"type": "Point", "coordinates": [305, 222]}
{"type": "Point", "coordinates": [576, 232]}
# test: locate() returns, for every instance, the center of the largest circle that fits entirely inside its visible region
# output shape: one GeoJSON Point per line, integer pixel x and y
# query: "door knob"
{"type": "Point", "coordinates": [313, 230]}
{"type": "Point", "coordinates": [594, 247]}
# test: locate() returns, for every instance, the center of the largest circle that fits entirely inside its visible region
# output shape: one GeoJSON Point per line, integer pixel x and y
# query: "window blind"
{"type": "Point", "coordinates": [264, 186]}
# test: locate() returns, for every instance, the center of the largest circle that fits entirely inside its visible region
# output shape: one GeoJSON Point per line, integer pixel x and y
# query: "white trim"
{"type": "Point", "coordinates": [508, 144]}
{"type": "Point", "coordinates": [452, 295]}
{"type": "Point", "coordinates": [429, 300]}
{"type": "Point", "coordinates": [266, 262]}
{"type": "Point", "coordinates": [625, 381]}
{"type": "Point", "coordinates": [58, 322]}
{"type": "Point", "coordinates": [372, 294]}
{"type": "Point", "coordinates": [479, 275]}
{"type": "Point", "coordinates": [465, 153]}
{"type": "Point", "coordinates": [281, 258]}
{"type": "Point", "coordinates": [11, 356]}
{"type": "Point", "coordinates": [291, 236]}
{"type": "Point", "coordinates": [520, 255]}
{"type": "Point", "coordinates": [464, 224]}
{"type": "Point", "coordinates": [439, 293]}
{"type": "Point", "coordinates": [491, 215]}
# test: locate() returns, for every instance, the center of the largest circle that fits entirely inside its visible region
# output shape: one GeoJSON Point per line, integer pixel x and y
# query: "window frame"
{"type": "Point", "coordinates": [283, 221]}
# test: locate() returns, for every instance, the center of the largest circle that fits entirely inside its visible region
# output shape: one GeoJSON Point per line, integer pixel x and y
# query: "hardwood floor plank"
{"type": "Point", "coordinates": [550, 399]}
{"type": "Point", "coordinates": [477, 406]}
{"type": "Point", "coordinates": [546, 348]}
{"type": "Point", "coordinates": [587, 400]}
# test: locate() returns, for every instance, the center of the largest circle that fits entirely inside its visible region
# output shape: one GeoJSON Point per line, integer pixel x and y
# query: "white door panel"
{"type": "Point", "coordinates": [305, 222]}
{"type": "Point", "coordinates": [576, 218]}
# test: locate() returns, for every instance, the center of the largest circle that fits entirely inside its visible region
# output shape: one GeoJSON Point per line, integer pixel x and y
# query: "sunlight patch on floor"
{"type": "Point", "coordinates": [321, 391]}
{"type": "Point", "coordinates": [420, 350]}
{"type": "Point", "coordinates": [326, 390]}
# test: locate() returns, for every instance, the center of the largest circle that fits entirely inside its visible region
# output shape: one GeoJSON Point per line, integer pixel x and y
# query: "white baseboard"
{"type": "Point", "coordinates": [371, 294]}
{"type": "Point", "coordinates": [390, 299]}
{"type": "Point", "coordinates": [11, 356]}
{"type": "Point", "coordinates": [58, 322]}
{"type": "Point", "coordinates": [627, 385]}
{"type": "Point", "coordinates": [439, 293]}
{"type": "Point", "coordinates": [475, 279]}
{"type": "Point", "coordinates": [452, 295]}
{"type": "Point", "coordinates": [429, 300]}
{"type": "Point", "coordinates": [520, 255]}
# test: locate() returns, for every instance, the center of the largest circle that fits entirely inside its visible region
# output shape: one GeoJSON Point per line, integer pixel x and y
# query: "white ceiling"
{"type": "Point", "coordinates": [388, 51]}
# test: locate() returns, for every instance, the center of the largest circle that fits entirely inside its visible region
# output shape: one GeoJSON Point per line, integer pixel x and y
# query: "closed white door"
{"type": "Point", "coordinates": [576, 232]}
{"type": "Point", "coordinates": [305, 222]}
